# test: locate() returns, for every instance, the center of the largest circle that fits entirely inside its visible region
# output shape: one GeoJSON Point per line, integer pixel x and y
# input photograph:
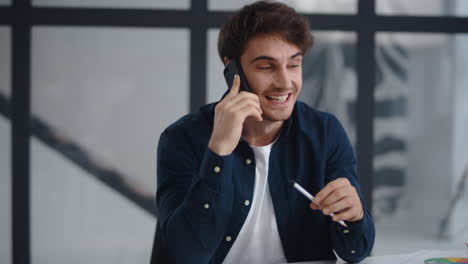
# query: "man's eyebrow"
{"type": "Point", "coordinates": [262, 58]}
{"type": "Point", "coordinates": [273, 59]}
{"type": "Point", "coordinates": [296, 55]}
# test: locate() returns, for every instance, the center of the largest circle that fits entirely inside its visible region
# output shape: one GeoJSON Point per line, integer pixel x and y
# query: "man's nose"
{"type": "Point", "coordinates": [282, 78]}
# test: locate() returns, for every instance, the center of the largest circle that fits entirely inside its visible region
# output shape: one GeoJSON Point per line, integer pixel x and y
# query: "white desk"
{"type": "Point", "coordinates": [417, 257]}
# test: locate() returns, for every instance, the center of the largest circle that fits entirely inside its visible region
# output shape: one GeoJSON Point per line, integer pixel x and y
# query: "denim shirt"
{"type": "Point", "coordinates": [201, 195]}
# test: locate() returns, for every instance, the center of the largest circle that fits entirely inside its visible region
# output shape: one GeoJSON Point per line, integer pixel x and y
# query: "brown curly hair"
{"type": "Point", "coordinates": [263, 17]}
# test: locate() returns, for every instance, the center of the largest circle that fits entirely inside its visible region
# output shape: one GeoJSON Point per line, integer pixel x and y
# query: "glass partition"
{"type": "Point", "coordinates": [100, 99]}
{"type": "Point", "coordinates": [303, 6]}
{"type": "Point", "coordinates": [420, 158]}
{"type": "Point", "coordinates": [422, 7]}
{"type": "Point", "coordinates": [160, 4]}
{"type": "Point", "coordinates": [5, 146]}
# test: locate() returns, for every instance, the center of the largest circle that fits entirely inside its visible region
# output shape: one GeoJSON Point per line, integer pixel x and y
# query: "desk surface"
{"type": "Point", "coordinates": [417, 257]}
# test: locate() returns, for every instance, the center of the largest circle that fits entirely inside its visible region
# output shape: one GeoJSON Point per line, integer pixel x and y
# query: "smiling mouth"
{"type": "Point", "coordinates": [278, 99]}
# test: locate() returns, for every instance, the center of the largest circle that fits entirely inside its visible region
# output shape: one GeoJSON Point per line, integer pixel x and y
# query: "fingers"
{"type": "Point", "coordinates": [347, 209]}
{"type": "Point", "coordinates": [341, 198]}
{"type": "Point", "coordinates": [237, 105]}
{"type": "Point", "coordinates": [235, 87]}
{"type": "Point", "coordinates": [244, 95]}
{"type": "Point", "coordinates": [329, 188]}
{"type": "Point", "coordinates": [339, 206]}
{"type": "Point", "coordinates": [351, 215]}
{"type": "Point", "coordinates": [250, 111]}
{"type": "Point", "coordinates": [314, 206]}
{"type": "Point", "coordinates": [337, 195]}
{"type": "Point", "coordinates": [235, 100]}
{"type": "Point", "coordinates": [240, 104]}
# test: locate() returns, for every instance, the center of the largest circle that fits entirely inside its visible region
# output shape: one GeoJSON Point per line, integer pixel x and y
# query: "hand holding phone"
{"type": "Point", "coordinates": [232, 68]}
{"type": "Point", "coordinates": [231, 112]}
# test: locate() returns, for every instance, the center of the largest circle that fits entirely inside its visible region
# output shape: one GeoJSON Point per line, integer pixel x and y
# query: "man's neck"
{"type": "Point", "coordinates": [261, 133]}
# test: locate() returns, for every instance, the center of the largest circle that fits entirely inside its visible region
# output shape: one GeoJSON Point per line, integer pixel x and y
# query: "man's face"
{"type": "Point", "coordinates": [273, 67]}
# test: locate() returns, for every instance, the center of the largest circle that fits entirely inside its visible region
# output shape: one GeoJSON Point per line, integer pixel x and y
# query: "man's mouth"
{"type": "Point", "coordinates": [278, 98]}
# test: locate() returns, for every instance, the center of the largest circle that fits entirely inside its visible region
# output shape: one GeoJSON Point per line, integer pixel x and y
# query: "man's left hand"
{"type": "Point", "coordinates": [341, 198]}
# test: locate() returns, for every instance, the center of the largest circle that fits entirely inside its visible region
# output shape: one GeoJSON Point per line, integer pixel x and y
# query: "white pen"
{"type": "Point", "coordinates": [311, 198]}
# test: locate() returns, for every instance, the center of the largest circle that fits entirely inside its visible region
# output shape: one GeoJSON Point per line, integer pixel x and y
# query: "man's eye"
{"type": "Point", "coordinates": [294, 65]}
{"type": "Point", "coordinates": [264, 67]}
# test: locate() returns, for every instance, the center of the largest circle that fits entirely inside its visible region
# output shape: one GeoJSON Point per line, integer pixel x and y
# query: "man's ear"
{"type": "Point", "coordinates": [226, 61]}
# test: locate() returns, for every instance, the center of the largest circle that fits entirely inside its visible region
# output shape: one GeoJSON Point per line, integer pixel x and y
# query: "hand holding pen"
{"type": "Point", "coordinates": [337, 196]}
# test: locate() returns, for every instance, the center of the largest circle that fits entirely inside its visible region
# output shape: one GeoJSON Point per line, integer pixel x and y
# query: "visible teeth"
{"type": "Point", "coordinates": [278, 98]}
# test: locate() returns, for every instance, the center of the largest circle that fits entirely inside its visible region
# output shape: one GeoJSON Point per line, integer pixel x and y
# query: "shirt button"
{"type": "Point", "coordinates": [228, 238]}
{"type": "Point", "coordinates": [247, 202]}
{"type": "Point", "coordinates": [346, 231]}
{"type": "Point", "coordinates": [217, 169]}
{"type": "Point", "coordinates": [352, 251]}
{"type": "Point", "coordinates": [207, 206]}
{"type": "Point", "coordinates": [248, 161]}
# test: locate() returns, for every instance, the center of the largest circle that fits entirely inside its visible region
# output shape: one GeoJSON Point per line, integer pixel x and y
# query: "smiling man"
{"type": "Point", "coordinates": [223, 193]}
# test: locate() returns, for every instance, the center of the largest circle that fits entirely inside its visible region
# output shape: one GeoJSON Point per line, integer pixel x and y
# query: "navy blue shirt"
{"type": "Point", "coordinates": [200, 195]}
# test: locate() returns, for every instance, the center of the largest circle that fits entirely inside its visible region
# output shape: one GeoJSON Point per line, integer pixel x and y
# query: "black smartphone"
{"type": "Point", "coordinates": [231, 69]}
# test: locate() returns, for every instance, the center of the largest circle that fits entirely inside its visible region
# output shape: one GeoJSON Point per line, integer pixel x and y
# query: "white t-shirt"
{"type": "Point", "coordinates": [258, 240]}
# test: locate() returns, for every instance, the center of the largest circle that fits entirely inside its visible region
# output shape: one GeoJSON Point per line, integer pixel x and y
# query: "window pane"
{"type": "Point", "coordinates": [423, 7]}
{"type": "Point", "coordinates": [5, 147]}
{"type": "Point", "coordinates": [165, 4]}
{"type": "Point", "coordinates": [303, 6]}
{"type": "Point", "coordinates": [5, 2]}
{"type": "Point", "coordinates": [5, 62]}
{"type": "Point", "coordinates": [5, 189]}
{"type": "Point", "coordinates": [99, 104]}
{"type": "Point", "coordinates": [329, 75]}
{"type": "Point", "coordinates": [215, 79]}
{"type": "Point", "coordinates": [421, 119]}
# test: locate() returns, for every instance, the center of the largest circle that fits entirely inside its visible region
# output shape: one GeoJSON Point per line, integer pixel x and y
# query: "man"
{"type": "Point", "coordinates": [223, 193]}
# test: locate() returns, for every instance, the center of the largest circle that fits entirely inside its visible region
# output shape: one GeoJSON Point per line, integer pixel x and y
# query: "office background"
{"type": "Point", "coordinates": [86, 87]}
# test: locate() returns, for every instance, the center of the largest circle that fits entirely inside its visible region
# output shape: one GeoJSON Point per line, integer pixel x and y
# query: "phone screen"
{"type": "Point", "coordinates": [233, 68]}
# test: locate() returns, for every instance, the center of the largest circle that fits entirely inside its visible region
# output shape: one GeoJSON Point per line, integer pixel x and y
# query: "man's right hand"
{"type": "Point", "coordinates": [230, 114]}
